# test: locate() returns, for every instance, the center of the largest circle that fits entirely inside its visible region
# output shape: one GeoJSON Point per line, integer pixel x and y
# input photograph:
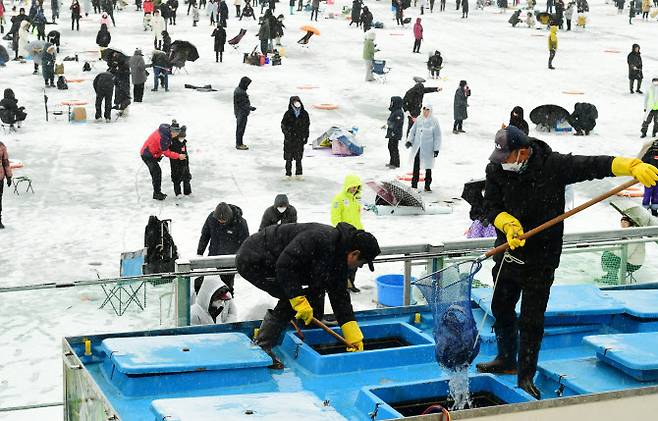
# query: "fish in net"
{"type": "Point", "coordinates": [448, 293]}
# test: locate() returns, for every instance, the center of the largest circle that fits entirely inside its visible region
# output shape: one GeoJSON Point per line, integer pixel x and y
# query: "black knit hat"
{"type": "Point", "coordinates": [367, 244]}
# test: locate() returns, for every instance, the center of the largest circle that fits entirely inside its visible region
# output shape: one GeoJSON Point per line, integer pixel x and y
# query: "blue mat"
{"type": "Point", "coordinates": [636, 354]}
{"type": "Point", "coordinates": [568, 304]}
{"type": "Point", "coordinates": [642, 304]}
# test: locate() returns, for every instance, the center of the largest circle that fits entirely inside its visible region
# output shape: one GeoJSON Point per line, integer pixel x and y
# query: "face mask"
{"type": "Point", "coordinates": [281, 209]}
{"type": "Point", "coordinates": [512, 166]}
{"type": "Point", "coordinates": [297, 104]}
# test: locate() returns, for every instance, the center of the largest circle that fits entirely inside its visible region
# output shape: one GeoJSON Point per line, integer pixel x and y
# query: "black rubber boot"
{"type": "Point", "coordinates": [528, 355]}
{"type": "Point", "coordinates": [268, 337]}
{"type": "Point", "coordinates": [505, 361]}
{"type": "Point", "coordinates": [631, 86]}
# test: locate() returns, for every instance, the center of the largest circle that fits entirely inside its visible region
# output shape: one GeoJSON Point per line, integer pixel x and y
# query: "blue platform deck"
{"type": "Point", "coordinates": [199, 372]}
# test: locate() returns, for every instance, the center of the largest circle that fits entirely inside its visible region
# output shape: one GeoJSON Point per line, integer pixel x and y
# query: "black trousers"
{"type": "Point", "coordinates": [2, 187]}
{"type": "Point", "coordinates": [653, 115]}
{"type": "Point", "coordinates": [76, 22]}
{"type": "Point", "coordinates": [417, 45]}
{"type": "Point", "coordinates": [551, 56]}
{"type": "Point", "coordinates": [416, 174]}
{"type": "Point", "coordinates": [568, 24]}
{"type": "Point", "coordinates": [314, 11]}
{"type": "Point", "coordinates": [107, 112]}
{"type": "Point", "coordinates": [443, 6]}
{"type": "Point", "coordinates": [219, 56]}
{"type": "Point", "coordinates": [240, 127]}
{"type": "Point", "coordinates": [639, 83]}
{"type": "Point", "coordinates": [459, 125]}
{"type": "Point", "coordinates": [298, 165]}
{"type": "Point", "coordinates": [187, 188]}
{"type": "Point", "coordinates": [138, 92]}
{"type": "Point", "coordinates": [394, 152]}
{"type": "Point", "coordinates": [155, 171]}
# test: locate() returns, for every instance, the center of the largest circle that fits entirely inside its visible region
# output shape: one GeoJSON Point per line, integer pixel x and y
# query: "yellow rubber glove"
{"type": "Point", "coordinates": [353, 335]}
{"type": "Point", "coordinates": [645, 173]}
{"type": "Point", "coordinates": [512, 229]}
{"type": "Point", "coordinates": [303, 308]}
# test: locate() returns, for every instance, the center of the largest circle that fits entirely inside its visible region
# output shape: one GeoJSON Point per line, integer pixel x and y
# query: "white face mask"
{"type": "Point", "coordinates": [512, 166]}
{"type": "Point", "coordinates": [297, 104]}
{"type": "Point", "coordinates": [218, 304]}
{"type": "Point", "coordinates": [281, 209]}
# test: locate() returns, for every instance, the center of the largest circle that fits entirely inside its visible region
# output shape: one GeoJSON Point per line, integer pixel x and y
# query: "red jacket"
{"type": "Point", "coordinates": [418, 29]}
{"type": "Point", "coordinates": [5, 170]}
{"type": "Point", "coordinates": [158, 144]}
{"type": "Point", "coordinates": [148, 6]}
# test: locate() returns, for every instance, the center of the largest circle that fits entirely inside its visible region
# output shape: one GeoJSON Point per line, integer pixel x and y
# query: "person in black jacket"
{"type": "Point", "coordinates": [103, 37]}
{"type": "Point", "coordinates": [413, 100]}
{"type": "Point", "coordinates": [356, 12]}
{"type": "Point", "coordinates": [294, 125]}
{"type": "Point", "coordinates": [298, 264]}
{"type": "Point", "coordinates": [282, 212]}
{"type": "Point", "coordinates": [219, 33]}
{"type": "Point", "coordinates": [10, 112]}
{"type": "Point", "coordinates": [525, 185]}
{"type": "Point", "coordinates": [119, 67]}
{"type": "Point", "coordinates": [394, 127]}
{"type": "Point", "coordinates": [241, 108]}
{"type": "Point", "coordinates": [223, 13]}
{"type": "Point", "coordinates": [583, 118]}
{"type": "Point", "coordinates": [434, 64]}
{"type": "Point", "coordinates": [366, 19]}
{"type": "Point", "coordinates": [104, 88]}
{"type": "Point", "coordinates": [634, 61]}
{"type": "Point", "coordinates": [226, 230]}
{"type": "Point", "coordinates": [180, 169]}
{"type": "Point", "coordinates": [516, 119]}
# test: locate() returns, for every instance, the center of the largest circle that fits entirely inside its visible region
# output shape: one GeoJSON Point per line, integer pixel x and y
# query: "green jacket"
{"type": "Point", "coordinates": [369, 49]}
{"type": "Point", "coordinates": [346, 206]}
{"type": "Point", "coordinates": [651, 98]}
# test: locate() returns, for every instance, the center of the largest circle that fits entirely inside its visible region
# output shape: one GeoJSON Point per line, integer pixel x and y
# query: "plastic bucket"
{"type": "Point", "coordinates": [390, 289]}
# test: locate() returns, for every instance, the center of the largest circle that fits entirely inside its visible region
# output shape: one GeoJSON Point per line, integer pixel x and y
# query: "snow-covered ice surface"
{"type": "Point", "coordinates": [93, 194]}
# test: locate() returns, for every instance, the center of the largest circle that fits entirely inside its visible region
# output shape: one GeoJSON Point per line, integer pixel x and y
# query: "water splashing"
{"type": "Point", "coordinates": [459, 388]}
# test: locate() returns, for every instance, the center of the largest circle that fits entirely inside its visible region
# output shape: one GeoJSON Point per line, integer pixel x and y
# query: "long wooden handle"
{"type": "Point", "coordinates": [501, 248]}
{"type": "Point", "coordinates": [332, 333]}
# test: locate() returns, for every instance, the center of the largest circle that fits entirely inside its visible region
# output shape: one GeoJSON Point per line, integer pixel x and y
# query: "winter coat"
{"type": "Point", "coordinates": [241, 104]}
{"type": "Point", "coordinates": [223, 12]}
{"type": "Point", "coordinates": [435, 61]}
{"type": "Point", "coordinates": [461, 103]}
{"type": "Point", "coordinates": [315, 4]}
{"type": "Point", "coordinates": [195, 14]}
{"type": "Point", "coordinates": [75, 11]}
{"type": "Point", "coordinates": [5, 169]}
{"type": "Point", "coordinates": [568, 13]}
{"type": "Point", "coordinates": [103, 37]}
{"type": "Point", "coordinates": [48, 62]}
{"type": "Point", "coordinates": [646, 6]}
{"type": "Point", "coordinates": [23, 39]}
{"type": "Point", "coordinates": [295, 130]}
{"type": "Point", "coordinates": [148, 6]}
{"type": "Point", "coordinates": [346, 206]}
{"type": "Point", "coordinates": [395, 121]}
{"type": "Point", "coordinates": [366, 18]}
{"type": "Point", "coordinates": [166, 42]}
{"type": "Point", "coordinates": [583, 117]}
{"type": "Point", "coordinates": [464, 6]}
{"type": "Point", "coordinates": [157, 26]}
{"type": "Point", "coordinates": [517, 120]}
{"type": "Point", "coordinates": [272, 216]}
{"type": "Point", "coordinates": [16, 21]}
{"type": "Point", "coordinates": [104, 84]}
{"type": "Point", "coordinates": [264, 31]}
{"type": "Point", "coordinates": [277, 28]}
{"type": "Point", "coordinates": [137, 69]}
{"type": "Point", "coordinates": [356, 10]}
{"type": "Point", "coordinates": [173, 5]}
{"type": "Point", "coordinates": [200, 311]}
{"type": "Point", "coordinates": [301, 259]}
{"type": "Point", "coordinates": [552, 38]}
{"type": "Point", "coordinates": [651, 98]}
{"type": "Point", "coordinates": [418, 30]}
{"type": "Point", "coordinates": [536, 195]}
{"type": "Point", "coordinates": [220, 38]}
{"type": "Point", "coordinates": [368, 49]}
{"type": "Point", "coordinates": [36, 49]}
{"type": "Point", "coordinates": [634, 61]}
{"type": "Point", "coordinates": [224, 238]}
{"type": "Point", "coordinates": [9, 103]}
{"type": "Point", "coordinates": [425, 139]}
{"type": "Point", "coordinates": [158, 143]}
{"type": "Point", "coordinates": [160, 60]}
{"type": "Point", "coordinates": [413, 98]}
{"type": "Point", "coordinates": [180, 169]}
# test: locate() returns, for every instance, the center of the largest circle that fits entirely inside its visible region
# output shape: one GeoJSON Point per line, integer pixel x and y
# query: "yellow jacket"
{"type": "Point", "coordinates": [346, 206]}
{"type": "Point", "coordinates": [552, 38]}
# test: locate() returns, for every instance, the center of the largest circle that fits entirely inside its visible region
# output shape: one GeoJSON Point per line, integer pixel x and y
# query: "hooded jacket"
{"type": "Point", "coordinates": [103, 36]}
{"type": "Point", "coordinates": [219, 34]}
{"type": "Point", "coordinates": [301, 259]}
{"type": "Point", "coordinates": [435, 61]}
{"type": "Point", "coordinates": [634, 61]}
{"type": "Point", "coordinates": [272, 216]}
{"type": "Point", "coordinates": [137, 69]}
{"type": "Point", "coordinates": [418, 29]}
{"type": "Point", "coordinates": [157, 144]}
{"type": "Point", "coordinates": [157, 25]}
{"type": "Point", "coordinates": [104, 84]}
{"type": "Point", "coordinates": [552, 38]}
{"type": "Point", "coordinates": [200, 310]}
{"type": "Point", "coordinates": [294, 125]}
{"type": "Point", "coordinates": [9, 102]}
{"type": "Point", "coordinates": [241, 104]}
{"type": "Point", "coordinates": [536, 195]}
{"type": "Point", "coordinates": [346, 206]}
{"type": "Point", "coordinates": [180, 169]}
{"type": "Point", "coordinates": [425, 139]}
{"type": "Point", "coordinates": [224, 238]}
{"type": "Point", "coordinates": [395, 121]}
{"type": "Point", "coordinates": [460, 106]}
{"type": "Point", "coordinates": [517, 120]}
{"type": "Point", "coordinates": [651, 98]}
{"type": "Point", "coordinates": [369, 47]}
{"type": "Point", "coordinates": [356, 10]}
{"type": "Point", "coordinates": [413, 98]}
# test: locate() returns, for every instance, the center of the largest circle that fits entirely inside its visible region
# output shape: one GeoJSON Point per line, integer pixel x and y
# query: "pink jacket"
{"type": "Point", "coordinates": [418, 29]}
{"type": "Point", "coordinates": [148, 6]}
{"type": "Point", "coordinates": [5, 170]}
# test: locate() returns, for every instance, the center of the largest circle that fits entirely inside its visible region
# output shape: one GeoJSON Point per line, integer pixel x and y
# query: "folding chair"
{"type": "Point", "coordinates": [123, 293]}
{"type": "Point", "coordinates": [235, 41]}
{"type": "Point", "coordinates": [379, 70]}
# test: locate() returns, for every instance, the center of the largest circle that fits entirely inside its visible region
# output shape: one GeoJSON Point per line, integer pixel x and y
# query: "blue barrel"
{"type": "Point", "coordinates": [390, 289]}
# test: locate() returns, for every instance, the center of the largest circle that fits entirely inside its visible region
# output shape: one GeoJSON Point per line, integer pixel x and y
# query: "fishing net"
{"type": "Point", "coordinates": [448, 292]}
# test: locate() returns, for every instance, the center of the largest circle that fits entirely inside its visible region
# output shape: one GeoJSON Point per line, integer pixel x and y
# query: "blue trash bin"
{"type": "Point", "coordinates": [390, 289]}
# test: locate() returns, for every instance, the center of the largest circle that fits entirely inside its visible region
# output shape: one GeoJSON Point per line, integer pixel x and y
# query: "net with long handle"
{"type": "Point", "coordinates": [448, 293]}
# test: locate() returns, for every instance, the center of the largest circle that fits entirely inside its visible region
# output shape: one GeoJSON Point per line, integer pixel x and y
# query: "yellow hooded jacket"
{"type": "Point", "coordinates": [552, 38]}
{"type": "Point", "coordinates": [346, 206]}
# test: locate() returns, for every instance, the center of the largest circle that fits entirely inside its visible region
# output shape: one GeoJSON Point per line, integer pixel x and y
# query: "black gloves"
{"type": "Point", "coordinates": [8, 181]}
{"type": "Point", "coordinates": [436, 153]}
{"type": "Point", "coordinates": [253, 108]}
{"type": "Point", "coordinates": [407, 145]}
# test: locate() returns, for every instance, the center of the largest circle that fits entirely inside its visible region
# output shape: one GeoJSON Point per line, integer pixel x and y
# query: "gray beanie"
{"type": "Point", "coordinates": [281, 200]}
{"type": "Point", "coordinates": [223, 212]}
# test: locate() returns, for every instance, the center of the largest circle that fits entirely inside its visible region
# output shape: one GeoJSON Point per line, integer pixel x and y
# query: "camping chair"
{"type": "Point", "coordinates": [379, 70]}
{"type": "Point", "coordinates": [303, 41]}
{"type": "Point", "coordinates": [235, 41]}
{"type": "Point", "coordinates": [123, 293]}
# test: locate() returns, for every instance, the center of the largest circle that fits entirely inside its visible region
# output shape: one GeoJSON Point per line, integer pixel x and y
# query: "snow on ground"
{"type": "Point", "coordinates": [93, 195]}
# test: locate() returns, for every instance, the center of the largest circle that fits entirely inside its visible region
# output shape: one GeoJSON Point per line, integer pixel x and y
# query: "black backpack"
{"type": "Point", "coordinates": [61, 83]}
{"type": "Point", "coordinates": [86, 67]}
{"type": "Point", "coordinates": [161, 251]}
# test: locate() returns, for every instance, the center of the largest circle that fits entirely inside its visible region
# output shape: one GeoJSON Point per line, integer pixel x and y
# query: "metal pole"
{"type": "Point", "coordinates": [183, 300]}
{"type": "Point", "coordinates": [623, 264]}
{"type": "Point", "coordinates": [406, 292]}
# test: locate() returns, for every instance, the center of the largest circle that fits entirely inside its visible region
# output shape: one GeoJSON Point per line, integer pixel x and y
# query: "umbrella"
{"type": "Point", "coordinates": [186, 49]}
{"type": "Point", "coordinates": [109, 52]}
{"type": "Point", "coordinates": [36, 49]}
{"type": "Point", "coordinates": [4, 57]}
{"type": "Point", "coordinates": [396, 193]}
{"type": "Point", "coordinates": [548, 115]}
{"type": "Point", "coordinates": [309, 28]}
{"type": "Point", "coordinates": [472, 193]}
